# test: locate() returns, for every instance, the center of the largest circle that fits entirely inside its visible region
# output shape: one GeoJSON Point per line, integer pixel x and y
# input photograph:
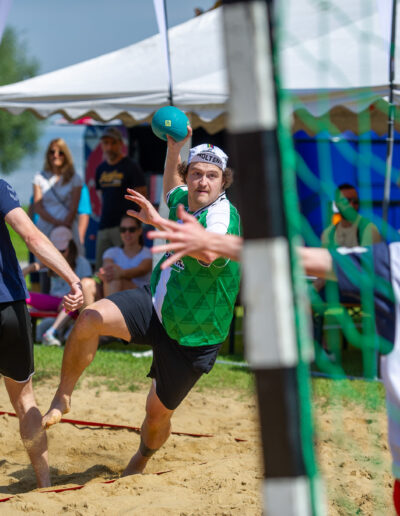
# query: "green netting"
{"type": "Point", "coordinates": [339, 333]}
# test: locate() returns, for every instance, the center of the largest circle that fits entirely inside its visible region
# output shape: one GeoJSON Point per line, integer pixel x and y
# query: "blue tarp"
{"type": "Point", "coordinates": [325, 161]}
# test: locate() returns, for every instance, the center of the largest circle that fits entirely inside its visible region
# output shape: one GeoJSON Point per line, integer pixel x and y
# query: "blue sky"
{"type": "Point", "coordinates": [64, 32]}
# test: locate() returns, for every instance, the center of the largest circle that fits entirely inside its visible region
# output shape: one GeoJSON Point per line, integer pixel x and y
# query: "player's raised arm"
{"type": "Point", "coordinates": [171, 175]}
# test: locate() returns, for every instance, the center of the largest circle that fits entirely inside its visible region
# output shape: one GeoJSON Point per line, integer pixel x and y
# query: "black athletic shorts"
{"type": "Point", "coordinates": [16, 342]}
{"type": "Point", "coordinates": [175, 368]}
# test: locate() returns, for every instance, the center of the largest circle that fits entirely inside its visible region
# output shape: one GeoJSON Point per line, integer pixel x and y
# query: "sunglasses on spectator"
{"type": "Point", "coordinates": [52, 152]}
{"type": "Point", "coordinates": [124, 229]}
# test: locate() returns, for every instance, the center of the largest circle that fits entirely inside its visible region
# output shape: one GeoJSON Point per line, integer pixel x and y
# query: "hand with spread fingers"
{"type": "Point", "coordinates": [187, 238]}
{"type": "Point", "coordinates": [147, 214]}
{"type": "Point", "coordinates": [191, 238]}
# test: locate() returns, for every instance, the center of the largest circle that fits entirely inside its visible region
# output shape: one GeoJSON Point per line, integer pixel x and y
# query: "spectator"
{"type": "Point", "coordinates": [113, 177]}
{"type": "Point", "coordinates": [353, 229]}
{"type": "Point", "coordinates": [123, 267]}
{"type": "Point", "coordinates": [56, 190]}
{"type": "Point", "coordinates": [61, 237]}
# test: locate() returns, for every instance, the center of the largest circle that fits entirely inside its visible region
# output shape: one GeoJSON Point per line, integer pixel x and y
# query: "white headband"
{"type": "Point", "coordinates": [206, 153]}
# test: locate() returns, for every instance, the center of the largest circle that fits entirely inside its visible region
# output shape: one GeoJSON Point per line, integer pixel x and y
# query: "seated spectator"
{"type": "Point", "coordinates": [123, 267]}
{"type": "Point", "coordinates": [62, 238]}
{"type": "Point", "coordinates": [353, 229]}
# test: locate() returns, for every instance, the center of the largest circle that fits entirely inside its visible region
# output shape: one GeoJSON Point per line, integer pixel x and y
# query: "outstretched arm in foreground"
{"type": "Point", "coordinates": [191, 238]}
{"type": "Point", "coordinates": [316, 261]}
{"type": "Point", "coordinates": [43, 249]}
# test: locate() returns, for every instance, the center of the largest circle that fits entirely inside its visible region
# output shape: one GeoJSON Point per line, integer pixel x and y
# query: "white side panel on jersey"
{"type": "Point", "coordinates": [288, 496]}
{"type": "Point", "coordinates": [160, 292]}
{"type": "Point", "coordinates": [248, 49]}
{"type": "Point", "coordinates": [269, 323]}
{"type": "Point", "coordinates": [163, 211]}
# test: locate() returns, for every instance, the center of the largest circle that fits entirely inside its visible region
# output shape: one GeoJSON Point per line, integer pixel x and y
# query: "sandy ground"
{"type": "Point", "coordinates": [203, 476]}
{"type": "Point", "coordinates": [355, 461]}
{"type": "Point", "coordinates": [206, 476]}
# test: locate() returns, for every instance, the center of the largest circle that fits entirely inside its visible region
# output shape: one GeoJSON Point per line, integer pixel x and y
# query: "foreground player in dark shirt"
{"type": "Point", "coordinates": [16, 343]}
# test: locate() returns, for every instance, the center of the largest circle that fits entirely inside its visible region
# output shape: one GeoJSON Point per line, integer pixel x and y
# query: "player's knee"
{"type": "Point", "coordinates": [157, 421]}
{"type": "Point", "coordinates": [23, 401]}
{"type": "Point", "coordinates": [157, 414]}
{"type": "Point", "coordinates": [89, 321]}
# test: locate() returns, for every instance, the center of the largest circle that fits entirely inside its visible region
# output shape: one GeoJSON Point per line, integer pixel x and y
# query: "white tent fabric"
{"type": "Point", "coordinates": [132, 83]}
{"type": "Point", "coordinates": [338, 48]}
{"type": "Point", "coordinates": [336, 52]}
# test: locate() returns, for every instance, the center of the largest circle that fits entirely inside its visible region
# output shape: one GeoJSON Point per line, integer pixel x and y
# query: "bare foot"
{"type": "Point", "coordinates": [60, 405]}
{"type": "Point", "coordinates": [136, 465]}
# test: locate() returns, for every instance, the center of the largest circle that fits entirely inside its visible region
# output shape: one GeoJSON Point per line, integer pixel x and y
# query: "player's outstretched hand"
{"type": "Point", "coordinates": [184, 239]}
{"type": "Point", "coordinates": [74, 299]}
{"type": "Point", "coordinates": [147, 214]}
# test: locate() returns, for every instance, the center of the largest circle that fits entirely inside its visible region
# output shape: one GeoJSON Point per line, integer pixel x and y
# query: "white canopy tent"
{"type": "Point", "coordinates": [331, 53]}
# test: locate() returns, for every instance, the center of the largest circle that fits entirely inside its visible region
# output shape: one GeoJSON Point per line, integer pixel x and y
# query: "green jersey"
{"type": "Point", "coordinates": [193, 300]}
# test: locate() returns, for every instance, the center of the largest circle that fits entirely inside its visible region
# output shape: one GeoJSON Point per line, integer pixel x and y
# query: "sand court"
{"type": "Point", "coordinates": [189, 476]}
{"type": "Point", "coordinates": [205, 475]}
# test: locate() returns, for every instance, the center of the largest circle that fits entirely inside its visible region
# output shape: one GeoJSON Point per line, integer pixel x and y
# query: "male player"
{"type": "Point", "coordinates": [16, 344]}
{"type": "Point", "coordinates": [187, 313]}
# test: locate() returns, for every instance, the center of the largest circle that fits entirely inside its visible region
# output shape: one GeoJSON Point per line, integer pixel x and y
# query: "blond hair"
{"type": "Point", "coordinates": [68, 169]}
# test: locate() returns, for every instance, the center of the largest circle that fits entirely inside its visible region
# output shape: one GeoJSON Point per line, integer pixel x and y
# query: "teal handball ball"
{"type": "Point", "coordinates": [172, 121]}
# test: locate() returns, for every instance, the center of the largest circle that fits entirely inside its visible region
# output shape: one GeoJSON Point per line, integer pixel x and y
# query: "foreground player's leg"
{"type": "Point", "coordinates": [101, 318]}
{"type": "Point", "coordinates": [156, 429]}
{"type": "Point", "coordinates": [30, 427]}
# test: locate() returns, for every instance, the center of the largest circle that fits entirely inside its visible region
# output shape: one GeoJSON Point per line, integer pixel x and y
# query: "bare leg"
{"type": "Point", "coordinates": [101, 318]}
{"type": "Point", "coordinates": [89, 291]}
{"type": "Point", "coordinates": [30, 427]}
{"type": "Point", "coordinates": [156, 429]}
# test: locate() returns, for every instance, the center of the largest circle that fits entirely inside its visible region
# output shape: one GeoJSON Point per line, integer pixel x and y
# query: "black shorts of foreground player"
{"type": "Point", "coordinates": [186, 314]}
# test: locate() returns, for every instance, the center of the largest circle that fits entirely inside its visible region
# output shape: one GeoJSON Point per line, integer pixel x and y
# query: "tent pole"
{"type": "Point", "coordinates": [170, 94]}
{"type": "Point", "coordinates": [391, 117]}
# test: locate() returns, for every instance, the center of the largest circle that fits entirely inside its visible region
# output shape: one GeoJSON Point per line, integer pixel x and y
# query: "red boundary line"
{"type": "Point", "coordinates": [109, 425]}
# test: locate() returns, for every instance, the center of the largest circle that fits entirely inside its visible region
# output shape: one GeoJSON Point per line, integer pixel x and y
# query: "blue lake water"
{"type": "Point", "coordinates": [21, 178]}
